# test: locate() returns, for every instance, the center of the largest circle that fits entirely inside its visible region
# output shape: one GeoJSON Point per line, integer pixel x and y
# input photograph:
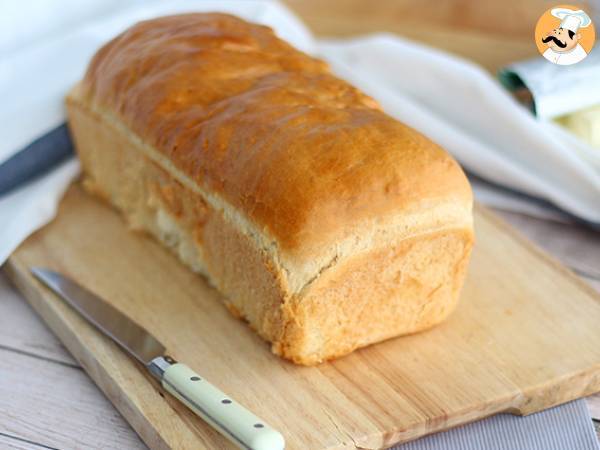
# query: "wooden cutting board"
{"type": "Point", "coordinates": [525, 337]}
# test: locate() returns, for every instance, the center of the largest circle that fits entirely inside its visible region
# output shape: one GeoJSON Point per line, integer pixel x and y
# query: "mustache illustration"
{"type": "Point", "coordinates": [556, 41]}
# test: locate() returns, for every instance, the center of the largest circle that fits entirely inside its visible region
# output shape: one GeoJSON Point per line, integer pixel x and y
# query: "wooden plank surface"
{"type": "Point", "coordinates": [494, 354]}
{"type": "Point", "coordinates": [10, 442]}
{"type": "Point", "coordinates": [79, 424]}
{"type": "Point", "coordinates": [494, 18]}
{"type": "Point", "coordinates": [490, 32]}
{"type": "Point", "coordinates": [48, 401]}
{"type": "Point", "coordinates": [19, 334]}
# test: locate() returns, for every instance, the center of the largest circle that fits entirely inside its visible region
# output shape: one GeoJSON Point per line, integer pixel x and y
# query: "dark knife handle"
{"type": "Point", "coordinates": [35, 159]}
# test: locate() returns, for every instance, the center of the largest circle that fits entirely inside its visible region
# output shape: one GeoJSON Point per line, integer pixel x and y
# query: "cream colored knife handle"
{"type": "Point", "coordinates": [222, 412]}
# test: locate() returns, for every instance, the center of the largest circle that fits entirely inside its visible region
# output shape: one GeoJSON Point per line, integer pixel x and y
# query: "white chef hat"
{"type": "Point", "coordinates": [571, 20]}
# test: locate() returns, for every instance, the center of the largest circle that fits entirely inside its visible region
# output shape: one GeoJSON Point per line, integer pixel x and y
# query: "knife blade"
{"type": "Point", "coordinates": [219, 410]}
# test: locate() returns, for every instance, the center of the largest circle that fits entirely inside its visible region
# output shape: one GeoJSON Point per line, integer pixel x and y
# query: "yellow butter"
{"type": "Point", "coordinates": [585, 124]}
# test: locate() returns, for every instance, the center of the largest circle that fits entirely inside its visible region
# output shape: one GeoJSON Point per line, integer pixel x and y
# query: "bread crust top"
{"type": "Point", "coordinates": [304, 155]}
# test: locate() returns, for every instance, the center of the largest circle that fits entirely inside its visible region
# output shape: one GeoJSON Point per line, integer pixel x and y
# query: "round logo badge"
{"type": "Point", "coordinates": [565, 34]}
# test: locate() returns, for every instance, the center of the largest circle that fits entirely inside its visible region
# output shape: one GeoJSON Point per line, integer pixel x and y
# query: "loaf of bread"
{"type": "Point", "coordinates": [326, 224]}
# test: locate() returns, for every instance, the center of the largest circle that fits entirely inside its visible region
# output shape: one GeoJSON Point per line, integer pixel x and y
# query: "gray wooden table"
{"type": "Point", "coordinates": [47, 401]}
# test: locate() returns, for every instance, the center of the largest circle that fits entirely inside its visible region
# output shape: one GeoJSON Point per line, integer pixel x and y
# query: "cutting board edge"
{"type": "Point", "coordinates": [579, 384]}
{"type": "Point", "coordinates": [92, 366]}
{"type": "Point", "coordinates": [522, 403]}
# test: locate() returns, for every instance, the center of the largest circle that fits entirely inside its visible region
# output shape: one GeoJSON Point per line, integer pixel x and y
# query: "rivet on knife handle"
{"type": "Point", "coordinates": [230, 418]}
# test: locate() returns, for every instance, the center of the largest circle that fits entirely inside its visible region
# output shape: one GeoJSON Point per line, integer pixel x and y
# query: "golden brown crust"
{"type": "Point", "coordinates": [405, 286]}
{"type": "Point", "coordinates": [305, 156]}
{"type": "Point", "coordinates": [326, 224]}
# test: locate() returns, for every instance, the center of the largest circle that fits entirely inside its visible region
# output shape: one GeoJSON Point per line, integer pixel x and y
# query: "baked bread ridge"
{"type": "Point", "coordinates": [306, 327]}
{"type": "Point", "coordinates": [301, 154]}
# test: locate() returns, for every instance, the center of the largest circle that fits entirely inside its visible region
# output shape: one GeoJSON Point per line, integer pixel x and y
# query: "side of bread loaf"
{"type": "Point", "coordinates": [326, 224]}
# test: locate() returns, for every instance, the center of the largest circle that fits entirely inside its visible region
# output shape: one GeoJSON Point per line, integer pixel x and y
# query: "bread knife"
{"type": "Point", "coordinates": [223, 413]}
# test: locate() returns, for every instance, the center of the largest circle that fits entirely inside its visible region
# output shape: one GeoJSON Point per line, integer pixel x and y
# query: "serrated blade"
{"type": "Point", "coordinates": [129, 335]}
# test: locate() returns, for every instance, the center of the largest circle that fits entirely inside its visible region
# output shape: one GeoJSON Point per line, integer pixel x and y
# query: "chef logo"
{"type": "Point", "coordinates": [564, 35]}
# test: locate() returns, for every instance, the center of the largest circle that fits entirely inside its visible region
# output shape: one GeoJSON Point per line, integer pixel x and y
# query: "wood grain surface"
{"type": "Point", "coordinates": [522, 339]}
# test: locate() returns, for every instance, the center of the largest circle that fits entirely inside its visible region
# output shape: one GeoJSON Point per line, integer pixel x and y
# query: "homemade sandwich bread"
{"type": "Point", "coordinates": [326, 224]}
